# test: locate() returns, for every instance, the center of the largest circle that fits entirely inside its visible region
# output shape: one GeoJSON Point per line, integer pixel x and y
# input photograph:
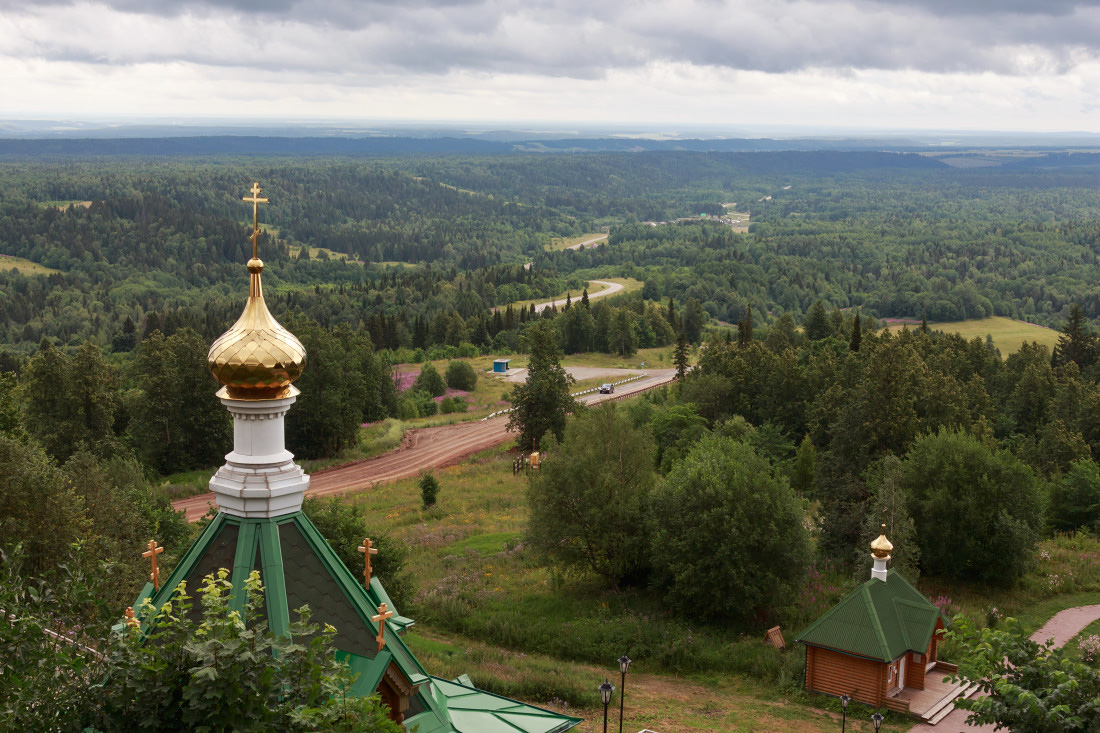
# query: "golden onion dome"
{"type": "Point", "coordinates": [881, 547]}
{"type": "Point", "coordinates": [256, 359]}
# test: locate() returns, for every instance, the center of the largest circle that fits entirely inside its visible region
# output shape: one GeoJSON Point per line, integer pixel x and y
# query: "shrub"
{"type": "Point", "coordinates": [429, 489]}
{"type": "Point", "coordinates": [429, 381]}
{"type": "Point", "coordinates": [1075, 500]}
{"type": "Point", "coordinates": [976, 508]}
{"type": "Point", "coordinates": [452, 404]}
{"type": "Point", "coordinates": [587, 500]}
{"type": "Point", "coordinates": [461, 375]}
{"type": "Point", "coordinates": [726, 533]}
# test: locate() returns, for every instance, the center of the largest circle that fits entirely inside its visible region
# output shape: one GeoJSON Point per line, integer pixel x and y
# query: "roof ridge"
{"type": "Point", "coordinates": [865, 592]}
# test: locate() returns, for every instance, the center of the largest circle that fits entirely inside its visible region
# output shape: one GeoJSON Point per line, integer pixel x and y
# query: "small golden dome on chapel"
{"type": "Point", "coordinates": [881, 547]}
{"type": "Point", "coordinates": [257, 358]}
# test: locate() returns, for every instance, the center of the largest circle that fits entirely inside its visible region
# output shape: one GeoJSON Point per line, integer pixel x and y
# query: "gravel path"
{"type": "Point", "coordinates": [1061, 628]}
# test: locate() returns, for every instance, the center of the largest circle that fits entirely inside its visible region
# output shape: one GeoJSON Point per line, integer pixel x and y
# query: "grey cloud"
{"type": "Point", "coordinates": [584, 39]}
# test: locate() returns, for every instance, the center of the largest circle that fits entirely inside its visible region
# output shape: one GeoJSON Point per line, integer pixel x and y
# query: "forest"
{"type": "Point", "coordinates": [380, 261]}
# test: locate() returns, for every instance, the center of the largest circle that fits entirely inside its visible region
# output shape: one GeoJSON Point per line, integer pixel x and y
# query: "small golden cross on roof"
{"type": "Point", "coordinates": [152, 553]}
{"type": "Point", "coordinates": [384, 613]}
{"type": "Point", "coordinates": [368, 549]}
{"type": "Point", "coordinates": [130, 620]}
{"type": "Point", "coordinates": [255, 201]}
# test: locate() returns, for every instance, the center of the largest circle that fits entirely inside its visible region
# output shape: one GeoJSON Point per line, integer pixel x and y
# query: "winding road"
{"type": "Point", "coordinates": [422, 448]}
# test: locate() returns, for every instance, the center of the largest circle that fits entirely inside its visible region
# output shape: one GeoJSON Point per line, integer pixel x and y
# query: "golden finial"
{"type": "Point", "coordinates": [881, 547]}
{"type": "Point", "coordinates": [256, 359]}
{"type": "Point", "coordinates": [255, 201]}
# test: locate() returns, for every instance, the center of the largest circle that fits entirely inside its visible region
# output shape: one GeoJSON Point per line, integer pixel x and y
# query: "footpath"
{"type": "Point", "coordinates": [1061, 628]}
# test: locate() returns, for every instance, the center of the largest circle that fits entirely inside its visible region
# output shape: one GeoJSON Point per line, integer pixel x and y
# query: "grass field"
{"type": "Point", "coordinates": [560, 243]}
{"type": "Point", "coordinates": [1008, 335]}
{"type": "Point", "coordinates": [25, 267]}
{"type": "Point", "coordinates": [486, 606]}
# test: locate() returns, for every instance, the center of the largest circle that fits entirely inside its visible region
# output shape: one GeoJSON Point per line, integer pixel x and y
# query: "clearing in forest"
{"type": "Point", "coordinates": [1008, 335]}
{"type": "Point", "coordinates": [25, 267]}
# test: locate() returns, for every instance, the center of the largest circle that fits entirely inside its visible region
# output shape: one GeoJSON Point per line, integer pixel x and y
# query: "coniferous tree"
{"type": "Point", "coordinates": [584, 299]}
{"type": "Point", "coordinates": [681, 355]}
{"type": "Point", "coordinates": [540, 404]}
{"type": "Point", "coordinates": [857, 335]}
{"type": "Point", "coordinates": [1077, 342]}
{"type": "Point", "coordinates": [744, 329]}
{"type": "Point", "coordinates": [816, 325]}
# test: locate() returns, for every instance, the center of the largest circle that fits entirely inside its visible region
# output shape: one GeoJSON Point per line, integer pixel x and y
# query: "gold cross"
{"type": "Point", "coordinates": [130, 620]}
{"type": "Point", "coordinates": [152, 553]}
{"type": "Point", "coordinates": [367, 549]}
{"type": "Point", "coordinates": [255, 201]}
{"type": "Point", "coordinates": [384, 613]}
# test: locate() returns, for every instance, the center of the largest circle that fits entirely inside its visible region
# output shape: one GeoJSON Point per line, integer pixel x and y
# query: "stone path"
{"type": "Point", "coordinates": [1061, 628]}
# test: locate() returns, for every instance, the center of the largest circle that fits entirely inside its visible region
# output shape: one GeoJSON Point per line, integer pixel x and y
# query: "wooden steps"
{"type": "Point", "coordinates": [944, 707]}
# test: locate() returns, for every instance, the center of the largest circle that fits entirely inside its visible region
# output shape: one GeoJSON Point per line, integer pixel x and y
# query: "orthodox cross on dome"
{"type": "Point", "coordinates": [152, 553]}
{"type": "Point", "coordinates": [368, 549]}
{"type": "Point", "coordinates": [255, 201]}
{"type": "Point", "coordinates": [384, 613]}
{"type": "Point", "coordinates": [130, 620]}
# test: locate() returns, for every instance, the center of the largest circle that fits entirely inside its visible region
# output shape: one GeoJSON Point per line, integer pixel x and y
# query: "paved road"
{"type": "Point", "coordinates": [422, 448]}
{"type": "Point", "coordinates": [587, 242]}
{"type": "Point", "coordinates": [609, 289]}
{"type": "Point", "coordinates": [1061, 628]}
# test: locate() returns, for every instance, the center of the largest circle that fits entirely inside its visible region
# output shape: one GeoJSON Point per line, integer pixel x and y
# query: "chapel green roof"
{"type": "Point", "coordinates": [879, 620]}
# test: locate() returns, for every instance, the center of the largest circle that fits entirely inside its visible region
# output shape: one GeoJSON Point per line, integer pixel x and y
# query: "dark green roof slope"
{"type": "Point", "coordinates": [880, 620]}
{"type": "Point", "coordinates": [298, 567]}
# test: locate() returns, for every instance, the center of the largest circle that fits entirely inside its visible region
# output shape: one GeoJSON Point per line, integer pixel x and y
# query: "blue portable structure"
{"type": "Point", "coordinates": [501, 365]}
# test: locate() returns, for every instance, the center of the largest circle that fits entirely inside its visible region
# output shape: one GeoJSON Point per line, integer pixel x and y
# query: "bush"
{"type": "Point", "coordinates": [429, 489]}
{"type": "Point", "coordinates": [416, 403]}
{"type": "Point", "coordinates": [452, 404]}
{"type": "Point", "coordinates": [976, 508]}
{"type": "Point", "coordinates": [1075, 500]}
{"type": "Point", "coordinates": [429, 381]}
{"type": "Point", "coordinates": [587, 501]}
{"type": "Point", "coordinates": [726, 533]}
{"type": "Point", "coordinates": [461, 375]}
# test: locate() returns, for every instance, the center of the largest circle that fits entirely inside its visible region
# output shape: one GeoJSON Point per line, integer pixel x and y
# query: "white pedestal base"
{"type": "Point", "coordinates": [260, 477]}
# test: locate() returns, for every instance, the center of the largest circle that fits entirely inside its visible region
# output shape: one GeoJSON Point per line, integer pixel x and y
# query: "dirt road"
{"type": "Point", "coordinates": [423, 448]}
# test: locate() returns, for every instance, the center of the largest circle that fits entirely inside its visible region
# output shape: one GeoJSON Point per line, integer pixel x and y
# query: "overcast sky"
{"type": "Point", "coordinates": [1019, 65]}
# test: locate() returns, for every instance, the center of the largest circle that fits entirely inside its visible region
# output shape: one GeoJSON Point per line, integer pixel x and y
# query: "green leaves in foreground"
{"type": "Point", "coordinates": [1024, 686]}
{"type": "Point", "coordinates": [227, 671]}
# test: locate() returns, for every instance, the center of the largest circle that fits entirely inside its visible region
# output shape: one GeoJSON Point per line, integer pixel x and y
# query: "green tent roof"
{"type": "Point", "coordinates": [880, 620]}
{"type": "Point", "coordinates": [298, 567]}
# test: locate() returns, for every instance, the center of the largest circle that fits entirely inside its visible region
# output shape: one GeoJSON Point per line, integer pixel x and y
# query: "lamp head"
{"type": "Point", "coordinates": [624, 663]}
{"type": "Point", "coordinates": [605, 692]}
{"type": "Point", "coordinates": [877, 720]}
{"type": "Point", "coordinates": [844, 700]}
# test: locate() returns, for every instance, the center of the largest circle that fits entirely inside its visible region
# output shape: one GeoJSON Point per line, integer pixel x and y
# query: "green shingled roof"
{"type": "Point", "coordinates": [880, 620]}
{"type": "Point", "coordinates": [298, 567]}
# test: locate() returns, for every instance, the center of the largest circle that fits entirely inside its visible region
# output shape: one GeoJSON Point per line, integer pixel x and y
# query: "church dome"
{"type": "Point", "coordinates": [881, 547]}
{"type": "Point", "coordinates": [256, 358]}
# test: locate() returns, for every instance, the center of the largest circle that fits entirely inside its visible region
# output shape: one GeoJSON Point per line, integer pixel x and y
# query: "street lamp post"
{"type": "Point", "coordinates": [624, 665]}
{"type": "Point", "coordinates": [844, 700]}
{"type": "Point", "coordinates": [877, 720]}
{"type": "Point", "coordinates": [605, 695]}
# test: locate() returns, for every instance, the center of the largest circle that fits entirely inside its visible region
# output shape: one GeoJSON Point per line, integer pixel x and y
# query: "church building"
{"type": "Point", "coordinates": [879, 646]}
{"type": "Point", "coordinates": [260, 526]}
